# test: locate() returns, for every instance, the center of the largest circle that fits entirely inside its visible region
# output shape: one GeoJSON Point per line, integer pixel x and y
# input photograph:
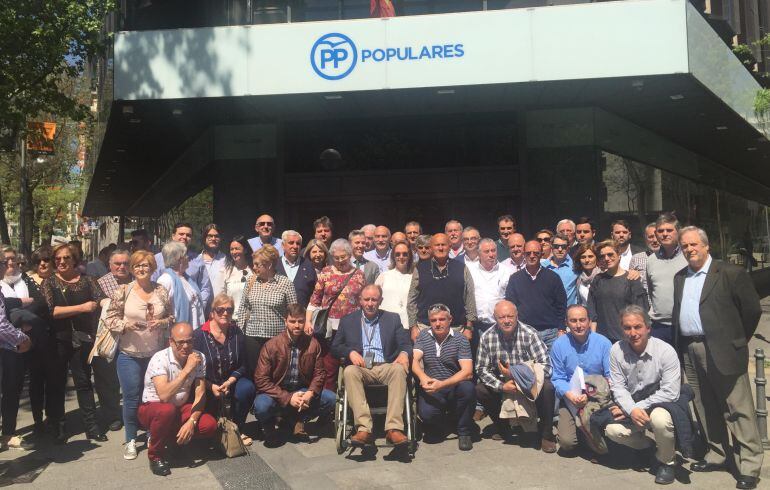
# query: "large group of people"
{"type": "Point", "coordinates": [566, 342]}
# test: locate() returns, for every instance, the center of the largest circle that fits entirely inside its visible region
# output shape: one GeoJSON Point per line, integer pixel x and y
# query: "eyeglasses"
{"type": "Point", "coordinates": [180, 343]}
{"type": "Point", "coordinates": [533, 253]}
{"type": "Point", "coordinates": [141, 266]}
{"type": "Point", "coordinates": [265, 223]}
{"type": "Point", "coordinates": [216, 235]}
{"type": "Point", "coordinates": [12, 259]}
{"type": "Point", "coordinates": [63, 258]}
{"type": "Point", "coordinates": [121, 264]}
{"type": "Point", "coordinates": [221, 310]}
{"type": "Point", "coordinates": [423, 247]}
{"type": "Point", "coordinates": [558, 246]}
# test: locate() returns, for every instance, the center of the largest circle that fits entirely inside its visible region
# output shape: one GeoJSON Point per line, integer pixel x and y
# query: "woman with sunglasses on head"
{"type": "Point", "coordinates": [228, 381]}
{"type": "Point", "coordinates": [42, 264]}
{"type": "Point", "coordinates": [611, 291]}
{"type": "Point", "coordinates": [73, 302]}
{"type": "Point", "coordinates": [141, 313]}
{"type": "Point", "coordinates": [396, 280]}
{"type": "Point", "coordinates": [237, 270]}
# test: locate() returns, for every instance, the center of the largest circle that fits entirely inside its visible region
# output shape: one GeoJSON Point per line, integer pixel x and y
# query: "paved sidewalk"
{"type": "Point", "coordinates": [80, 464]}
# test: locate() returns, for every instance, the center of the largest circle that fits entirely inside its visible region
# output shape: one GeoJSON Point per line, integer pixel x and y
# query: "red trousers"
{"type": "Point", "coordinates": [331, 364]}
{"type": "Point", "coordinates": [163, 420]}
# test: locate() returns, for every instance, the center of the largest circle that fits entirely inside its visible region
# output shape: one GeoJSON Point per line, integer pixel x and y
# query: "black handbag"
{"type": "Point", "coordinates": [322, 314]}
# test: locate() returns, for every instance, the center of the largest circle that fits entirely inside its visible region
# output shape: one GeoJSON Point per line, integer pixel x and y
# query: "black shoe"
{"type": "Point", "coordinates": [464, 443]}
{"type": "Point", "coordinates": [272, 435]}
{"type": "Point", "coordinates": [703, 466]}
{"type": "Point", "coordinates": [665, 474]}
{"type": "Point", "coordinates": [747, 482]}
{"type": "Point", "coordinates": [116, 426]}
{"type": "Point", "coordinates": [159, 467]}
{"type": "Point", "coordinates": [59, 432]}
{"type": "Point", "coordinates": [503, 433]}
{"type": "Point", "coordinates": [96, 435]}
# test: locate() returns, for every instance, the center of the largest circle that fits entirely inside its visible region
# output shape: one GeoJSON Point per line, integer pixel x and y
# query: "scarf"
{"type": "Point", "coordinates": [586, 280]}
{"type": "Point", "coordinates": [14, 287]}
{"type": "Point", "coordinates": [182, 312]}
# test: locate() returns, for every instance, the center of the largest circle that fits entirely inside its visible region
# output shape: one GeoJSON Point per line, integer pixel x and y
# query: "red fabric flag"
{"type": "Point", "coordinates": [382, 8]}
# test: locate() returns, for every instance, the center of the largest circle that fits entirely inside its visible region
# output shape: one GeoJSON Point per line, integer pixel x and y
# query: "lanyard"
{"type": "Point", "coordinates": [367, 332]}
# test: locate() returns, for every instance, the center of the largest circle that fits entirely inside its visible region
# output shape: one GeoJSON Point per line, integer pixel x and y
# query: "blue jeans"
{"type": "Point", "coordinates": [663, 331]}
{"type": "Point", "coordinates": [266, 407]}
{"type": "Point", "coordinates": [548, 336]}
{"type": "Point", "coordinates": [243, 397]}
{"type": "Point", "coordinates": [459, 399]}
{"type": "Point", "coordinates": [131, 377]}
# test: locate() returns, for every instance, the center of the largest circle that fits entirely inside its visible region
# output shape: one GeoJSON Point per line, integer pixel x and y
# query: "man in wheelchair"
{"type": "Point", "coordinates": [376, 349]}
{"type": "Point", "coordinates": [444, 365]}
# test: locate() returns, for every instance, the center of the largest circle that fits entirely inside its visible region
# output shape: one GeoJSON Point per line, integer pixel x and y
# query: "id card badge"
{"type": "Point", "coordinates": [369, 359]}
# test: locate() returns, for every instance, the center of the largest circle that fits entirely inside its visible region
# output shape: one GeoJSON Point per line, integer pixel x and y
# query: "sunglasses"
{"type": "Point", "coordinates": [558, 246]}
{"type": "Point", "coordinates": [63, 258]}
{"type": "Point", "coordinates": [607, 256]}
{"type": "Point", "coordinates": [544, 239]}
{"type": "Point", "coordinates": [46, 260]}
{"type": "Point", "coordinates": [243, 278]}
{"type": "Point", "coordinates": [264, 223]}
{"type": "Point", "coordinates": [401, 254]}
{"type": "Point", "coordinates": [221, 310]}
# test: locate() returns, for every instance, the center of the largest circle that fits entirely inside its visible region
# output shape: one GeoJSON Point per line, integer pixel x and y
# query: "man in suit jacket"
{"type": "Point", "coordinates": [371, 270]}
{"type": "Point", "coordinates": [299, 270]}
{"type": "Point", "coordinates": [376, 349]}
{"type": "Point", "coordinates": [716, 310]}
{"type": "Point", "coordinates": [621, 233]}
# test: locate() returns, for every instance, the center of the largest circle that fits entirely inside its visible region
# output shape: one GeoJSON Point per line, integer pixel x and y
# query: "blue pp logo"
{"type": "Point", "coordinates": [333, 56]}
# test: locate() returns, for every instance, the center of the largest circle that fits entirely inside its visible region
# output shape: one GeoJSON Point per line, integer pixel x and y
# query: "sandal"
{"type": "Point", "coordinates": [246, 440]}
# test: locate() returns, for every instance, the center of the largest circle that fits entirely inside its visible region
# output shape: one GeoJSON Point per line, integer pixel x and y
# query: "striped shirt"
{"type": "Point", "coordinates": [442, 361]}
{"type": "Point", "coordinates": [370, 337]}
{"type": "Point", "coordinates": [263, 306]}
{"type": "Point", "coordinates": [525, 345]}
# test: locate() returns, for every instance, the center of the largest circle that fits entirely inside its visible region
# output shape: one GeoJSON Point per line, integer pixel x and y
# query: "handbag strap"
{"type": "Point", "coordinates": [344, 284]}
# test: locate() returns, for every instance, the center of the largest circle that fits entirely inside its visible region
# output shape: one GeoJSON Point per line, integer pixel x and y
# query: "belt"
{"type": "Point", "coordinates": [689, 339]}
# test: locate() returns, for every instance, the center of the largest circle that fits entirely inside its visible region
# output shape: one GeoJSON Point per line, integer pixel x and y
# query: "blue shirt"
{"type": "Point", "coordinates": [689, 312]}
{"type": "Point", "coordinates": [291, 269]}
{"type": "Point", "coordinates": [370, 337]}
{"type": "Point", "coordinates": [256, 243]}
{"type": "Point", "coordinates": [567, 275]}
{"type": "Point", "coordinates": [382, 262]}
{"type": "Point", "coordinates": [593, 356]}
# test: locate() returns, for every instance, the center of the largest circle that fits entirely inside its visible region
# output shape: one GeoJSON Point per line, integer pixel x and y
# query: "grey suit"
{"type": "Point", "coordinates": [716, 365]}
{"type": "Point", "coordinates": [370, 269]}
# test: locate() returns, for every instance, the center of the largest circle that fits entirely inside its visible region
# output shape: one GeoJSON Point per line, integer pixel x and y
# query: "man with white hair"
{"type": "Point", "coordinates": [454, 231]}
{"type": "Point", "coordinates": [294, 266]}
{"type": "Point", "coordinates": [567, 227]}
{"type": "Point", "coordinates": [368, 230]}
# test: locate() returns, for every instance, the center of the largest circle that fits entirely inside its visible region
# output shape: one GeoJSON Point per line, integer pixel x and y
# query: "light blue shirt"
{"type": "Point", "coordinates": [291, 269]}
{"type": "Point", "coordinates": [689, 312]}
{"type": "Point", "coordinates": [567, 275]}
{"type": "Point", "coordinates": [196, 272]}
{"type": "Point", "coordinates": [593, 356]}
{"type": "Point", "coordinates": [256, 244]}
{"type": "Point", "coordinates": [370, 337]}
{"type": "Point", "coordinates": [382, 262]}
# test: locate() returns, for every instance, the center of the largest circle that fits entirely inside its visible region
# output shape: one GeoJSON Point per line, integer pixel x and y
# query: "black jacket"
{"type": "Point", "coordinates": [304, 281]}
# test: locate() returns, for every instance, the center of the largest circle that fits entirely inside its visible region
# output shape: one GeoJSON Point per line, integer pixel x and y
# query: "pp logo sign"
{"type": "Point", "coordinates": [333, 56]}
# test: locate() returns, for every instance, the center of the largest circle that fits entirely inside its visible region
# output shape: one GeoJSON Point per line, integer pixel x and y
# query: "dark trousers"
{"type": "Point", "coordinates": [13, 382]}
{"type": "Point", "coordinates": [107, 388]}
{"type": "Point", "coordinates": [663, 332]}
{"type": "Point", "coordinates": [459, 399]}
{"type": "Point", "coordinates": [545, 403]}
{"type": "Point", "coordinates": [253, 346]}
{"type": "Point", "coordinates": [81, 377]}
{"type": "Point", "coordinates": [478, 330]}
{"type": "Point", "coordinates": [49, 377]}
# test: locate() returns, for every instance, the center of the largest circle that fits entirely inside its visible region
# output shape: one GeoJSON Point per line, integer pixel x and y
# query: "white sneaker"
{"type": "Point", "coordinates": [17, 442]}
{"type": "Point", "coordinates": [130, 450]}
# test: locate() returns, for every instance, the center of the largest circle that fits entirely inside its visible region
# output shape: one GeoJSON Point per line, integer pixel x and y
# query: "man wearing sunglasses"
{"type": "Point", "coordinates": [539, 295]}
{"type": "Point", "coordinates": [265, 227]}
{"type": "Point", "coordinates": [174, 398]}
{"type": "Point", "coordinates": [561, 263]}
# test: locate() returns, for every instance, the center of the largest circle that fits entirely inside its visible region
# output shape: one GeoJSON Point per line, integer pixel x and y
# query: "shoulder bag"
{"type": "Point", "coordinates": [321, 315]}
{"type": "Point", "coordinates": [106, 341]}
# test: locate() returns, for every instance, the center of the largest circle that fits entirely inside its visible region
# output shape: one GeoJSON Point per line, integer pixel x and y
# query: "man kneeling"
{"type": "Point", "coordinates": [172, 377]}
{"type": "Point", "coordinates": [290, 377]}
{"type": "Point", "coordinates": [444, 365]}
{"type": "Point", "coordinates": [376, 348]}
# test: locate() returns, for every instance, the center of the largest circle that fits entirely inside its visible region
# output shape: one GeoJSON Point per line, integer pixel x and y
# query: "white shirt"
{"type": "Point", "coordinates": [216, 270]}
{"type": "Point", "coordinates": [235, 282]}
{"type": "Point", "coordinates": [291, 269]}
{"type": "Point", "coordinates": [512, 267]}
{"type": "Point", "coordinates": [454, 253]}
{"type": "Point", "coordinates": [163, 363]}
{"type": "Point", "coordinates": [256, 243]}
{"type": "Point", "coordinates": [395, 291]}
{"type": "Point", "coordinates": [489, 287]}
{"type": "Point", "coordinates": [197, 316]}
{"type": "Point", "coordinates": [14, 287]}
{"type": "Point", "coordinates": [625, 258]}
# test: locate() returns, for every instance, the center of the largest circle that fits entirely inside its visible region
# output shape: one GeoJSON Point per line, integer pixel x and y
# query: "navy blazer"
{"type": "Point", "coordinates": [395, 338]}
{"type": "Point", "coordinates": [304, 281]}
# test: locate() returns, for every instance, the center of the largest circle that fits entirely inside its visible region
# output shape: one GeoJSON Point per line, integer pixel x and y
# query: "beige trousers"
{"type": "Point", "coordinates": [392, 375]}
{"type": "Point", "coordinates": [636, 437]}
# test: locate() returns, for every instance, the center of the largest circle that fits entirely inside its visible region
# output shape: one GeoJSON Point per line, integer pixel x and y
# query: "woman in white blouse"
{"type": "Point", "coordinates": [188, 307]}
{"type": "Point", "coordinates": [237, 270]}
{"type": "Point", "coordinates": [395, 282]}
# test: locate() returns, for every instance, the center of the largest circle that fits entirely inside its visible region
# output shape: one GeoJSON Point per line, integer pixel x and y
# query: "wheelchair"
{"type": "Point", "coordinates": [377, 398]}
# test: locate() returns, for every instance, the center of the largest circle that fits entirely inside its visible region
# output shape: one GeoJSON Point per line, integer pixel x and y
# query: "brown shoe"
{"type": "Point", "coordinates": [361, 439]}
{"type": "Point", "coordinates": [547, 446]}
{"type": "Point", "coordinates": [396, 437]}
{"type": "Point", "coordinates": [479, 415]}
{"type": "Point", "coordinates": [299, 431]}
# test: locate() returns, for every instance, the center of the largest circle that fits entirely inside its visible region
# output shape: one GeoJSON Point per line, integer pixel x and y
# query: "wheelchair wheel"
{"type": "Point", "coordinates": [340, 423]}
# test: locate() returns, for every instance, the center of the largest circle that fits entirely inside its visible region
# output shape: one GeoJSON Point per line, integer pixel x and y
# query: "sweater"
{"type": "Point", "coordinates": [660, 283]}
{"type": "Point", "coordinates": [542, 302]}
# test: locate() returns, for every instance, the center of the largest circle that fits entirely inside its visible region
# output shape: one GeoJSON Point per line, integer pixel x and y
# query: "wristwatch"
{"type": "Point", "coordinates": [195, 423]}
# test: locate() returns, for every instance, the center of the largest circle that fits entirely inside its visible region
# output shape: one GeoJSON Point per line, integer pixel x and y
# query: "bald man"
{"type": "Point", "coordinates": [381, 253]}
{"type": "Point", "coordinates": [174, 398]}
{"type": "Point", "coordinates": [440, 280]}
{"type": "Point", "coordinates": [265, 227]}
